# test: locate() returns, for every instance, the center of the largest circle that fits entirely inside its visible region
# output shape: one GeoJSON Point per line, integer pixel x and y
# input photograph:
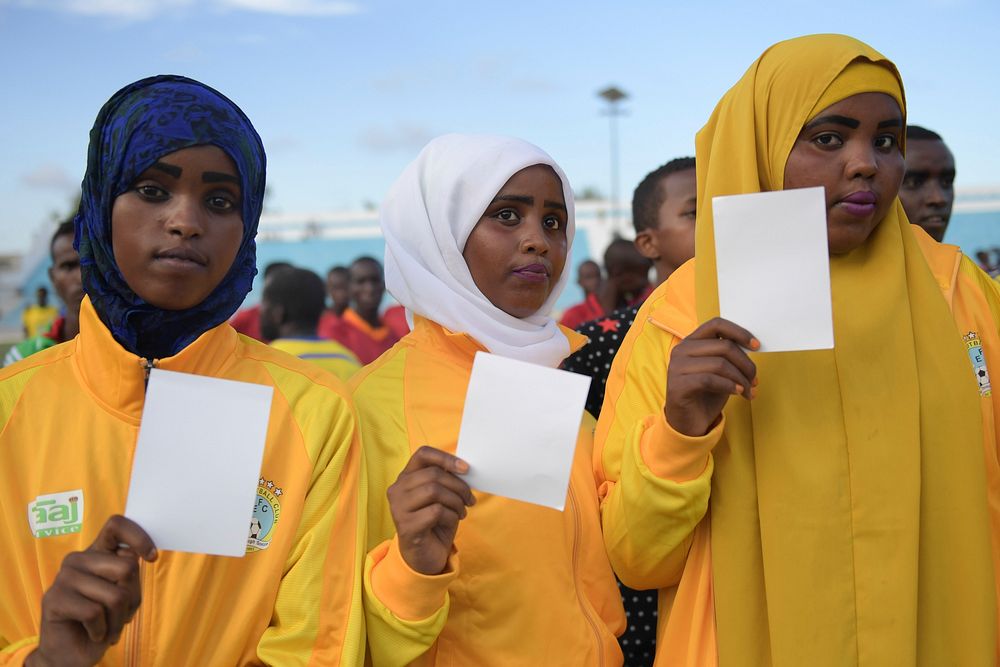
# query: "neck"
{"type": "Point", "coordinates": [371, 317]}
{"type": "Point", "coordinates": [71, 324]}
{"type": "Point", "coordinates": [297, 331]}
{"type": "Point", "coordinates": [663, 271]}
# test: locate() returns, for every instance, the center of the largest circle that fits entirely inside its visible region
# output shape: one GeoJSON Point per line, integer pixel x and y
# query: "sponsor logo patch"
{"type": "Point", "coordinates": [56, 514]}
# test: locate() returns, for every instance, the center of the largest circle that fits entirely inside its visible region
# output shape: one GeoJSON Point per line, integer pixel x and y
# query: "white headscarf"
{"type": "Point", "coordinates": [427, 218]}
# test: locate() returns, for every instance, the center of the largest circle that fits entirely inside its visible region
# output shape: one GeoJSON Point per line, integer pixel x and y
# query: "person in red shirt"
{"type": "Point", "coordinates": [589, 277]}
{"type": "Point", "coordinates": [247, 320]}
{"type": "Point", "coordinates": [361, 329]}
{"type": "Point", "coordinates": [627, 284]}
{"type": "Point", "coordinates": [338, 289]}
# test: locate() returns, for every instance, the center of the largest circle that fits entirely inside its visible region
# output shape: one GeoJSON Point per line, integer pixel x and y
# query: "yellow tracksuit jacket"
{"type": "Point", "coordinates": [528, 585]}
{"type": "Point", "coordinates": [656, 483]}
{"type": "Point", "coordinates": [70, 417]}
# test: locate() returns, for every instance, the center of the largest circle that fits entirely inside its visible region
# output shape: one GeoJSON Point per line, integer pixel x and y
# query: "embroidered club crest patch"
{"type": "Point", "coordinates": [266, 513]}
{"type": "Point", "coordinates": [975, 347]}
{"type": "Point", "coordinates": [56, 514]}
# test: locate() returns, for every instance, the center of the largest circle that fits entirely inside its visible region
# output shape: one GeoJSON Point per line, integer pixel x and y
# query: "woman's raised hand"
{"type": "Point", "coordinates": [705, 369]}
{"type": "Point", "coordinates": [95, 593]}
{"type": "Point", "coordinates": [427, 501]}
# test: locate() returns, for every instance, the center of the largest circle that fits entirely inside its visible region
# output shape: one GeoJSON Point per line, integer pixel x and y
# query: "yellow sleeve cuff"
{"type": "Point", "coordinates": [408, 594]}
{"type": "Point", "coordinates": [675, 456]}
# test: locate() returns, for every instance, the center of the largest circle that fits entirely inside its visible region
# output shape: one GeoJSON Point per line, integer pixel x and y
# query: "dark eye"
{"type": "Point", "coordinates": [507, 215]}
{"type": "Point", "coordinates": [913, 181]}
{"type": "Point", "coordinates": [828, 140]}
{"type": "Point", "coordinates": [151, 192]}
{"type": "Point", "coordinates": [689, 214]}
{"type": "Point", "coordinates": [551, 222]}
{"type": "Point", "coordinates": [885, 142]}
{"type": "Point", "coordinates": [221, 203]}
{"type": "Point", "coordinates": [947, 182]}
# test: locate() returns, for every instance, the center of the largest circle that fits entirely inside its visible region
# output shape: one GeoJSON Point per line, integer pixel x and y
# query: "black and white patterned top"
{"type": "Point", "coordinates": [594, 359]}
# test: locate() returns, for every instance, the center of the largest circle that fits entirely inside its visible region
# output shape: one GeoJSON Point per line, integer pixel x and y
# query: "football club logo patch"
{"type": "Point", "coordinates": [56, 514]}
{"type": "Point", "coordinates": [266, 513]}
{"type": "Point", "coordinates": [975, 347]}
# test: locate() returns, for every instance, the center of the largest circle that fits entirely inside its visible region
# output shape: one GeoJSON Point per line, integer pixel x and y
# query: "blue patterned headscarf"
{"type": "Point", "coordinates": [141, 123]}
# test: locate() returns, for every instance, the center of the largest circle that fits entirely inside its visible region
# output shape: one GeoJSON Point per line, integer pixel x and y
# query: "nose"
{"type": "Point", "coordinates": [534, 241]}
{"type": "Point", "coordinates": [862, 161]}
{"type": "Point", "coordinates": [184, 217]}
{"type": "Point", "coordinates": [934, 193]}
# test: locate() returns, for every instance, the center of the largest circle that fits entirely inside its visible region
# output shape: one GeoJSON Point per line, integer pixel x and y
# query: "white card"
{"type": "Point", "coordinates": [519, 429]}
{"type": "Point", "coordinates": [773, 267]}
{"type": "Point", "coordinates": [197, 462]}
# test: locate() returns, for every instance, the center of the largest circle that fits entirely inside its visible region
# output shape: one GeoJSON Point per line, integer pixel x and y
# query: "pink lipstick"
{"type": "Point", "coordinates": [535, 273]}
{"type": "Point", "coordinates": [861, 203]}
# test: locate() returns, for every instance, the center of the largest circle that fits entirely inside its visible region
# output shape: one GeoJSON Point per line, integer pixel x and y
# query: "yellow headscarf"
{"type": "Point", "coordinates": [849, 515]}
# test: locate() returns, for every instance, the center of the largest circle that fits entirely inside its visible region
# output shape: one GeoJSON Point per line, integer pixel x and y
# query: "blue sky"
{"type": "Point", "coordinates": [344, 94]}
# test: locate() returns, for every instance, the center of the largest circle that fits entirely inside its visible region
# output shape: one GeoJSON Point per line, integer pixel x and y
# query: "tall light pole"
{"type": "Point", "coordinates": [613, 96]}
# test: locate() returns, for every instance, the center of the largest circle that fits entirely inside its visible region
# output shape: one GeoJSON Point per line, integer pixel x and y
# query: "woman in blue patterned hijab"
{"type": "Point", "coordinates": [140, 124]}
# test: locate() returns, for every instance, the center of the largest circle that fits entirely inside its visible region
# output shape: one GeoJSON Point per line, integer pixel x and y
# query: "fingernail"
{"type": "Point", "coordinates": [152, 554]}
{"type": "Point", "coordinates": [754, 344]}
{"type": "Point", "coordinates": [753, 394]}
{"type": "Point", "coordinates": [461, 466]}
{"type": "Point", "coordinates": [754, 383]}
{"type": "Point", "coordinates": [739, 389]}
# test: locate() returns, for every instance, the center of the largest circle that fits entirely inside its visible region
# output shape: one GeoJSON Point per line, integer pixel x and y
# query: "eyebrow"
{"type": "Point", "coordinates": [919, 173]}
{"type": "Point", "coordinates": [892, 122]}
{"type": "Point", "coordinates": [526, 199]}
{"type": "Point", "coordinates": [837, 120]}
{"type": "Point", "coordinates": [217, 177]}
{"type": "Point", "coordinates": [168, 169]}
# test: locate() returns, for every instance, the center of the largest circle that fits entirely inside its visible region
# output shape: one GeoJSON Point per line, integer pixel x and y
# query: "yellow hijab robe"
{"type": "Point", "coordinates": [848, 508]}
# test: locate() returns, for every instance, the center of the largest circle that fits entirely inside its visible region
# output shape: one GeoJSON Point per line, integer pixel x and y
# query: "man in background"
{"type": "Point", "coordinates": [247, 320]}
{"type": "Point", "coordinates": [589, 277]}
{"type": "Point", "coordinates": [65, 277]}
{"type": "Point", "coordinates": [928, 190]}
{"type": "Point", "coordinates": [361, 328]}
{"type": "Point", "coordinates": [290, 308]}
{"type": "Point", "coordinates": [627, 283]}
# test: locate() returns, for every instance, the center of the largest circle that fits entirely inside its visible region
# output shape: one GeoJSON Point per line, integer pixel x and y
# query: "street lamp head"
{"type": "Point", "coordinates": [612, 94]}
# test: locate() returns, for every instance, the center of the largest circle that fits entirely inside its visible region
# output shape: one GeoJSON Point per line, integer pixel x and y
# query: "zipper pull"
{"type": "Point", "coordinates": [147, 365]}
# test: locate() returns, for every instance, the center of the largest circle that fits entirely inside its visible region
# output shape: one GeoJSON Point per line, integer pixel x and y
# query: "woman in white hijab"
{"type": "Point", "coordinates": [477, 233]}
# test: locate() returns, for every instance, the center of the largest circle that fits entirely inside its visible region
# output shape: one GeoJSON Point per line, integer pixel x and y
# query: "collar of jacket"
{"type": "Point", "coordinates": [116, 378]}
{"type": "Point", "coordinates": [431, 335]}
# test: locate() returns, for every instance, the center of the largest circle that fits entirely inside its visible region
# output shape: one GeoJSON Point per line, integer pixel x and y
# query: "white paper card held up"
{"type": "Point", "coordinates": [774, 267]}
{"type": "Point", "coordinates": [519, 429]}
{"type": "Point", "coordinates": [197, 462]}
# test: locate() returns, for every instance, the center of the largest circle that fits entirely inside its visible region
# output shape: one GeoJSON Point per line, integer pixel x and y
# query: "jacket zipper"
{"type": "Point", "coordinates": [133, 631]}
{"type": "Point", "coordinates": [579, 593]}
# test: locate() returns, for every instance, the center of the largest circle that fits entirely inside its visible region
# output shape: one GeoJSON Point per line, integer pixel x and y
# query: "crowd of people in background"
{"type": "Point", "coordinates": [826, 507]}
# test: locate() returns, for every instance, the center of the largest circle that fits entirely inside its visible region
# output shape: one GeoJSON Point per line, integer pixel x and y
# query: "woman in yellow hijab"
{"type": "Point", "coordinates": [835, 507]}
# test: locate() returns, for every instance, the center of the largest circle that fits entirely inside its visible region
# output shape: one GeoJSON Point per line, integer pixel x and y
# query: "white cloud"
{"type": "Point", "coordinates": [141, 10]}
{"type": "Point", "coordinates": [401, 137]}
{"type": "Point", "coordinates": [47, 176]}
{"type": "Point", "coordinates": [294, 7]}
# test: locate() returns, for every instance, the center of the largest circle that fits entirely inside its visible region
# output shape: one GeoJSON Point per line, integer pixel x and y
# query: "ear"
{"type": "Point", "coordinates": [50, 275]}
{"type": "Point", "coordinates": [645, 243]}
